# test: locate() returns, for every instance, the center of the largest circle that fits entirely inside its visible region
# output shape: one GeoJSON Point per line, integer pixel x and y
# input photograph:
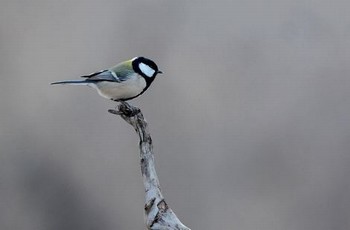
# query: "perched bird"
{"type": "Point", "coordinates": [125, 81]}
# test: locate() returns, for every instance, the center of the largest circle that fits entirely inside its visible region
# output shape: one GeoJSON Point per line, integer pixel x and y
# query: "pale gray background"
{"type": "Point", "coordinates": [251, 120]}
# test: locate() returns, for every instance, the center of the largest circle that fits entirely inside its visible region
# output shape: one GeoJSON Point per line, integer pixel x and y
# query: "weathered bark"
{"type": "Point", "coordinates": [158, 215]}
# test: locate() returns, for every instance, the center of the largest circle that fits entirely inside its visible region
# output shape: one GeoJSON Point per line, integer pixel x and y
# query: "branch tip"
{"type": "Point", "coordinates": [125, 109]}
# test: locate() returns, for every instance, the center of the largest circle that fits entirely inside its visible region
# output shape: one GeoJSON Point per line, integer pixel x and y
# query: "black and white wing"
{"type": "Point", "coordinates": [103, 75]}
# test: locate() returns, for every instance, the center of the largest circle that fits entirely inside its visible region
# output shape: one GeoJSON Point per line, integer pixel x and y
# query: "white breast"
{"type": "Point", "coordinates": [122, 90]}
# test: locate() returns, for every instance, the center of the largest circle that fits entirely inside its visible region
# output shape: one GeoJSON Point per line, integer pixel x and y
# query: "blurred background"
{"type": "Point", "coordinates": [250, 122]}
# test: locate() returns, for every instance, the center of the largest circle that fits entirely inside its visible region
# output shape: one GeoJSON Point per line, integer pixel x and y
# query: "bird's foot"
{"type": "Point", "coordinates": [127, 109]}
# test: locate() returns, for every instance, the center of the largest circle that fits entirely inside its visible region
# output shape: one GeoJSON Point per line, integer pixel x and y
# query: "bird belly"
{"type": "Point", "coordinates": [121, 90]}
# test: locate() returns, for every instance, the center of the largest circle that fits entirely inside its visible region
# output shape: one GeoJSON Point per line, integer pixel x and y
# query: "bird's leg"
{"type": "Point", "coordinates": [125, 109]}
{"type": "Point", "coordinates": [128, 109]}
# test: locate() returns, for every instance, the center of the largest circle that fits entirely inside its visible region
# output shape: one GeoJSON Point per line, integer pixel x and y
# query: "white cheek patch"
{"type": "Point", "coordinates": [148, 71]}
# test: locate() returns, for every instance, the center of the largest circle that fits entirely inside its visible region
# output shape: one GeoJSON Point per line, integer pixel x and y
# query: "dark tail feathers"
{"type": "Point", "coordinates": [77, 82]}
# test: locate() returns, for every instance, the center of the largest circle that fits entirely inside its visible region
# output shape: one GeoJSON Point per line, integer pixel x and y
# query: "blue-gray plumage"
{"type": "Point", "coordinates": [122, 82]}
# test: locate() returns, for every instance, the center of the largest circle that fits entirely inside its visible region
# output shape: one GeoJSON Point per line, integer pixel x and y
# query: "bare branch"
{"type": "Point", "coordinates": [158, 215]}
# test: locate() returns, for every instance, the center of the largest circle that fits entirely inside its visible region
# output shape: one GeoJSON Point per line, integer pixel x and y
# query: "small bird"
{"type": "Point", "coordinates": [125, 81]}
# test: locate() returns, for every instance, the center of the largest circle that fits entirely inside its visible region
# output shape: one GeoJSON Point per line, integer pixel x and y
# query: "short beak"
{"type": "Point", "coordinates": [159, 72]}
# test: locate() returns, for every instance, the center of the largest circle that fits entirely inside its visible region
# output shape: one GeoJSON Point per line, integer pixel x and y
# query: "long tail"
{"type": "Point", "coordinates": [77, 82]}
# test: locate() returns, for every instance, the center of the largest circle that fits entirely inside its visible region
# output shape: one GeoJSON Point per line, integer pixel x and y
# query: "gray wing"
{"type": "Point", "coordinates": [104, 75]}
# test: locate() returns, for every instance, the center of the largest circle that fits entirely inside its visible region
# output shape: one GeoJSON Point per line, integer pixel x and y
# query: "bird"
{"type": "Point", "coordinates": [122, 82]}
